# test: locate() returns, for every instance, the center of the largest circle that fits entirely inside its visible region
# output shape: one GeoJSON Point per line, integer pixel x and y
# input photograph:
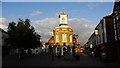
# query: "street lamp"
{"type": "Point", "coordinates": [96, 42]}
{"type": "Point", "coordinates": [77, 39]}
{"type": "Point", "coordinates": [96, 32]}
{"type": "Point", "coordinates": [40, 40]}
{"type": "Point", "coordinates": [91, 46]}
{"type": "Point", "coordinates": [76, 36]}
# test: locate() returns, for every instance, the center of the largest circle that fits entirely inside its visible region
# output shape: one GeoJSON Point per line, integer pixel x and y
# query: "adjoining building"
{"type": "Point", "coordinates": [103, 36]}
{"type": "Point", "coordinates": [106, 38]}
{"type": "Point", "coordinates": [51, 41]}
{"type": "Point", "coordinates": [3, 42]}
{"type": "Point", "coordinates": [92, 40]}
{"type": "Point", "coordinates": [116, 17]}
{"type": "Point", "coordinates": [105, 31]}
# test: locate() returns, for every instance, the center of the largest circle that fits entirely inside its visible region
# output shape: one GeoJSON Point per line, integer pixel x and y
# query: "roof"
{"type": "Point", "coordinates": [3, 31]}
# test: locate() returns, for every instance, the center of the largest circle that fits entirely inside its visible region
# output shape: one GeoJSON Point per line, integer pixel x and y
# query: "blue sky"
{"type": "Point", "coordinates": [89, 10]}
{"type": "Point", "coordinates": [83, 16]}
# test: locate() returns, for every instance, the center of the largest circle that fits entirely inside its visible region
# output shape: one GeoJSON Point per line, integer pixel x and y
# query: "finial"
{"type": "Point", "coordinates": [63, 10]}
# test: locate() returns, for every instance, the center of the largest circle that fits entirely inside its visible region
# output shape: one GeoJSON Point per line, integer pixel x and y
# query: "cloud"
{"type": "Point", "coordinates": [80, 26]}
{"type": "Point", "coordinates": [45, 26]}
{"type": "Point", "coordinates": [35, 13]}
{"type": "Point", "coordinates": [93, 5]}
{"type": "Point", "coordinates": [4, 23]}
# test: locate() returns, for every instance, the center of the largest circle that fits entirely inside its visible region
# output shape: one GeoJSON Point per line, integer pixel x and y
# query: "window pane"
{"type": "Point", "coordinates": [64, 38]}
{"type": "Point", "coordinates": [57, 38]}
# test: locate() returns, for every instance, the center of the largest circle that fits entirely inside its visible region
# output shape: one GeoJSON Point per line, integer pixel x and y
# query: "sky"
{"type": "Point", "coordinates": [82, 16]}
{"type": "Point", "coordinates": [58, 0]}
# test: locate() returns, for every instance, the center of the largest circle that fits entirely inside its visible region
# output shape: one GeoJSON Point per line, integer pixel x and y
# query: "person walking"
{"type": "Point", "coordinates": [51, 52]}
{"type": "Point", "coordinates": [20, 53]}
{"type": "Point", "coordinates": [50, 49]}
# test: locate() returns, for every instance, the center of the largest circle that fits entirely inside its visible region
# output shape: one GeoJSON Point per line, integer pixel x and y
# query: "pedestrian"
{"type": "Point", "coordinates": [50, 49]}
{"type": "Point", "coordinates": [59, 52]}
{"type": "Point", "coordinates": [20, 54]}
{"type": "Point", "coordinates": [51, 52]}
{"type": "Point", "coordinates": [76, 54]}
{"type": "Point", "coordinates": [29, 51]}
{"type": "Point", "coordinates": [77, 57]}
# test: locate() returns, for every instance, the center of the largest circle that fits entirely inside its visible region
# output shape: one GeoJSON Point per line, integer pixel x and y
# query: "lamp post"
{"type": "Point", "coordinates": [96, 34]}
{"type": "Point", "coordinates": [40, 41]}
{"type": "Point", "coordinates": [76, 36]}
{"type": "Point", "coordinates": [91, 46]}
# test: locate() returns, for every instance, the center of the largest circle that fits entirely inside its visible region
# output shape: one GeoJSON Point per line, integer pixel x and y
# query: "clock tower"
{"type": "Point", "coordinates": [63, 19]}
{"type": "Point", "coordinates": [63, 34]}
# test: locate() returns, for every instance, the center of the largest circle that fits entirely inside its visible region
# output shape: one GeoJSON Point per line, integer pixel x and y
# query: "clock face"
{"type": "Point", "coordinates": [63, 18]}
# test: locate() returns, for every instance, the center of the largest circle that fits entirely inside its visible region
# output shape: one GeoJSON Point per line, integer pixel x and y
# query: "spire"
{"type": "Point", "coordinates": [63, 10]}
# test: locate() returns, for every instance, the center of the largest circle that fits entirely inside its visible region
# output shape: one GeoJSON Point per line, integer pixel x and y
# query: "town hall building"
{"type": "Point", "coordinates": [62, 35]}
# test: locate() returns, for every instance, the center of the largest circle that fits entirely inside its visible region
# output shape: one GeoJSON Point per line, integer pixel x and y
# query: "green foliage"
{"type": "Point", "coordinates": [22, 35]}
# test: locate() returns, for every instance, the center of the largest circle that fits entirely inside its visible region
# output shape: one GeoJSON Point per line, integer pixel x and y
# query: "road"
{"type": "Point", "coordinates": [46, 60]}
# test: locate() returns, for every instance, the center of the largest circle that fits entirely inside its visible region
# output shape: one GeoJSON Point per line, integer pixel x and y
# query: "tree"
{"type": "Point", "coordinates": [12, 34]}
{"type": "Point", "coordinates": [27, 23]}
{"type": "Point", "coordinates": [22, 35]}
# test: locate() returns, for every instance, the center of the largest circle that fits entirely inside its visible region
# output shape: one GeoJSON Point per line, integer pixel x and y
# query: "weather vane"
{"type": "Point", "coordinates": [63, 10]}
